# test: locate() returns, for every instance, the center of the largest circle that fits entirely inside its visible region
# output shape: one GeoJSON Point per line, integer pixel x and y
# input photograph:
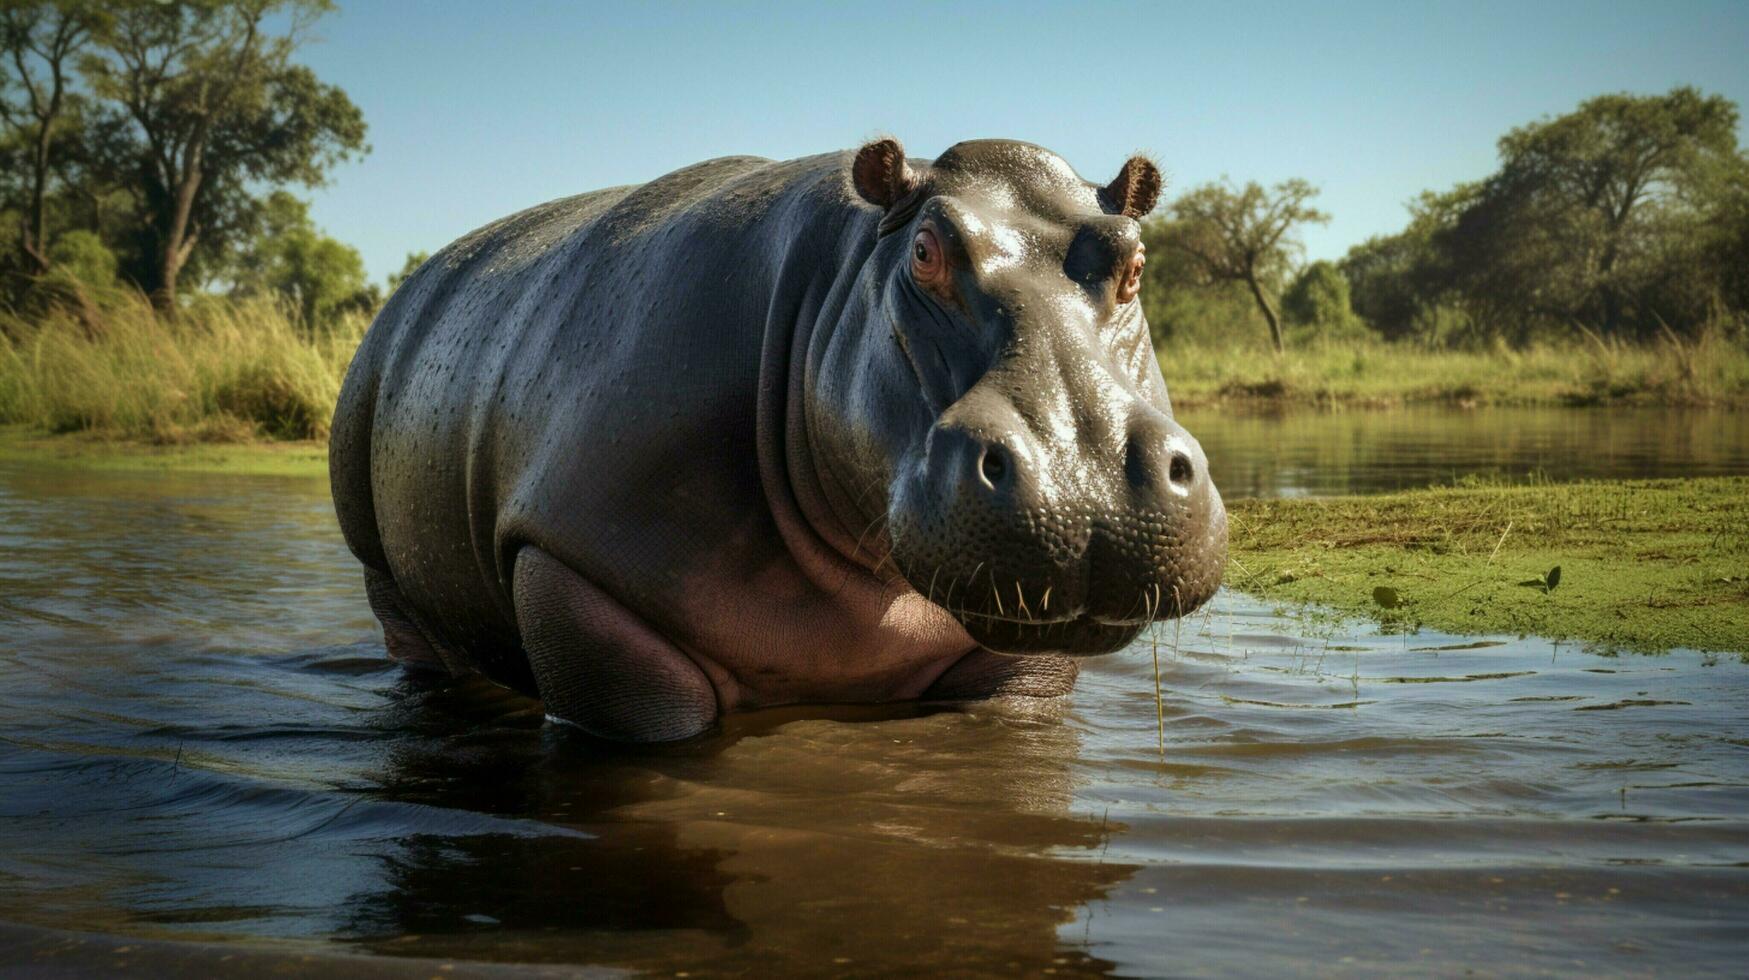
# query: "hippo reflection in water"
{"type": "Point", "coordinates": [849, 428]}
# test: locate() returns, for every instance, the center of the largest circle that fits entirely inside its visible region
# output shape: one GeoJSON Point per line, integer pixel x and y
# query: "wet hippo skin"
{"type": "Point", "coordinates": [848, 428]}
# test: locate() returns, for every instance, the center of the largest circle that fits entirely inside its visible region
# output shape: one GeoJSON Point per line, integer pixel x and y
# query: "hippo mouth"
{"type": "Point", "coordinates": [1079, 635]}
{"type": "Point", "coordinates": [1087, 606]}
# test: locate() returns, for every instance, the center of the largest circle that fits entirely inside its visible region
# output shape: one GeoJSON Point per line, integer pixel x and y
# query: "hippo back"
{"type": "Point", "coordinates": [581, 376]}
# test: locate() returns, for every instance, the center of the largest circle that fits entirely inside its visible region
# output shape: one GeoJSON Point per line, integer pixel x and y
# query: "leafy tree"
{"type": "Point", "coordinates": [1317, 301]}
{"type": "Point", "coordinates": [40, 40]}
{"type": "Point", "coordinates": [1181, 303]}
{"type": "Point", "coordinates": [1245, 235]}
{"type": "Point", "coordinates": [84, 257]}
{"type": "Point", "coordinates": [214, 106]}
{"type": "Point", "coordinates": [1381, 274]}
{"type": "Point", "coordinates": [1721, 237]}
{"type": "Point", "coordinates": [1398, 283]}
{"type": "Point", "coordinates": [414, 261]}
{"type": "Point", "coordinates": [318, 275]}
{"type": "Point", "coordinates": [1582, 223]}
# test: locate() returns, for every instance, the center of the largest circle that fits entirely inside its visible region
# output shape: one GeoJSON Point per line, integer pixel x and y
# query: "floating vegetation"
{"type": "Point", "coordinates": [1640, 565]}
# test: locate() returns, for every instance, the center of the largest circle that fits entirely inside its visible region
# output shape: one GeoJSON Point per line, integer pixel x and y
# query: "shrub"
{"type": "Point", "coordinates": [223, 369]}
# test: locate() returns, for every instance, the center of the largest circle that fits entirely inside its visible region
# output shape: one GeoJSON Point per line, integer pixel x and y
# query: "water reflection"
{"type": "Point", "coordinates": [200, 739]}
{"type": "Point", "coordinates": [1254, 454]}
{"type": "Point", "coordinates": [791, 841]}
{"type": "Point", "coordinates": [445, 821]}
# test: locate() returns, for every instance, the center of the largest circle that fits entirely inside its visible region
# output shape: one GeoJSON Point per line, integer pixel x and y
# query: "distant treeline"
{"type": "Point", "coordinates": [1626, 219]}
{"type": "Point", "coordinates": [149, 144]}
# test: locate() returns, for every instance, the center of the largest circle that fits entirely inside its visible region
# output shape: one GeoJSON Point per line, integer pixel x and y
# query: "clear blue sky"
{"type": "Point", "coordinates": [480, 109]}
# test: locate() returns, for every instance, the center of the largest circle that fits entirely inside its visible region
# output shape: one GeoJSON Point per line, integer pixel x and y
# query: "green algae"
{"type": "Point", "coordinates": [1644, 565]}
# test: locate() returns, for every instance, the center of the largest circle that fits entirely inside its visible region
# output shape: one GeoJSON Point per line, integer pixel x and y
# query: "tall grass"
{"type": "Point", "coordinates": [1710, 370]}
{"type": "Point", "coordinates": [224, 370]}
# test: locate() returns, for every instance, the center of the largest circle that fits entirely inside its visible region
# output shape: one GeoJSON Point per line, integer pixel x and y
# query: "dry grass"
{"type": "Point", "coordinates": [223, 371]}
{"type": "Point", "coordinates": [229, 370]}
{"type": "Point", "coordinates": [1708, 371]}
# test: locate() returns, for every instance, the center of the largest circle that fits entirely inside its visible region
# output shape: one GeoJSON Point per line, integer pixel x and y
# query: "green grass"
{"type": "Point", "coordinates": [301, 458]}
{"type": "Point", "coordinates": [241, 371]}
{"type": "Point", "coordinates": [224, 371]}
{"type": "Point", "coordinates": [1372, 373]}
{"type": "Point", "coordinates": [1645, 565]}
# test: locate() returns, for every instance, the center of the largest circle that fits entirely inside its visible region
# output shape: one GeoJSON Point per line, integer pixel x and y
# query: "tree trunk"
{"type": "Point", "coordinates": [1269, 313]}
{"type": "Point", "coordinates": [35, 247]}
{"type": "Point", "coordinates": [178, 241]}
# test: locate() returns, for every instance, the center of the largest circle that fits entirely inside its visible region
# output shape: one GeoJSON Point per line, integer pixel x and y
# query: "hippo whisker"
{"type": "Point", "coordinates": [1047, 623]}
{"type": "Point", "coordinates": [1141, 600]}
{"type": "Point", "coordinates": [861, 537]}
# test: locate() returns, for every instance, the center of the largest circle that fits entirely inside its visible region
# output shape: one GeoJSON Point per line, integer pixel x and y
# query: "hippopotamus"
{"type": "Point", "coordinates": [850, 428]}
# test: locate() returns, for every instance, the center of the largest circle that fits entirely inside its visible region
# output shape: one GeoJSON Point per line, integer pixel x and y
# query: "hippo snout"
{"type": "Point", "coordinates": [1061, 542]}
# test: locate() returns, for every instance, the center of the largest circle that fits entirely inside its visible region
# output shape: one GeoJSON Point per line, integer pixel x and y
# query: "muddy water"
{"type": "Point", "coordinates": [206, 766]}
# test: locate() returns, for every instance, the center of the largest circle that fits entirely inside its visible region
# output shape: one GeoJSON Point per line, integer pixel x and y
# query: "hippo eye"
{"type": "Point", "coordinates": [1130, 286]}
{"type": "Point", "coordinates": [927, 263]}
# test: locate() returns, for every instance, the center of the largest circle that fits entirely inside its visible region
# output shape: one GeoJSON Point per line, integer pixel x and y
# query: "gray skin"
{"type": "Point", "coordinates": [848, 428]}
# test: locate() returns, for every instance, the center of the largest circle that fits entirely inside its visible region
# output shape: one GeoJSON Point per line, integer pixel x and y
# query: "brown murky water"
{"type": "Point", "coordinates": [201, 742]}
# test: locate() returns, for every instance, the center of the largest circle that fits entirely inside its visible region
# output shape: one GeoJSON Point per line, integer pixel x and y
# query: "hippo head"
{"type": "Point", "coordinates": [991, 409]}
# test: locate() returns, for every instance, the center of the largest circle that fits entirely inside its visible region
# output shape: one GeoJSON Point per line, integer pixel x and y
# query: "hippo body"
{"type": "Point", "coordinates": [656, 453]}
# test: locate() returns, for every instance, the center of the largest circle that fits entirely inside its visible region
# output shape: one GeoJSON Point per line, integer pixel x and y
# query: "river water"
{"type": "Point", "coordinates": [207, 767]}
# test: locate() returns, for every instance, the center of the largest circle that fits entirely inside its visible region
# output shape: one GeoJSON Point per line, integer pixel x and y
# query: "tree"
{"type": "Point", "coordinates": [414, 261]}
{"type": "Point", "coordinates": [1581, 223]}
{"type": "Point", "coordinates": [1318, 301]}
{"type": "Point", "coordinates": [1399, 284]}
{"type": "Point", "coordinates": [40, 41]}
{"type": "Point", "coordinates": [1245, 234]}
{"type": "Point", "coordinates": [1720, 197]}
{"type": "Point", "coordinates": [84, 258]}
{"type": "Point", "coordinates": [318, 275]}
{"type": "Point", "coordinates": [215, 105]}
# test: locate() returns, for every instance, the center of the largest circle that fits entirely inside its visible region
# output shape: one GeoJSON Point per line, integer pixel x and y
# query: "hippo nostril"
{"type": "Point", "coordinates": [993, 466]}
{"type": "Point", "coordinates": [1181, 471]}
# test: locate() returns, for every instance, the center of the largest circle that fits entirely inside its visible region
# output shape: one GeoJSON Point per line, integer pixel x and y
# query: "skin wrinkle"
{"type": "Point", "coordinates": [931, 399]}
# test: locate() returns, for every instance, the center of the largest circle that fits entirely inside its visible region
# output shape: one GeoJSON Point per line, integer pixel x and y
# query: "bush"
{"type": "Point", "coordinates": [82, 256]}
{"type": "Point", "coordinates": [224, 369]}
{"type": "Point", "coordinates": [1316, 306]}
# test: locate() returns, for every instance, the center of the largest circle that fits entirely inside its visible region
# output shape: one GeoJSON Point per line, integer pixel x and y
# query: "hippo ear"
{"type": "Point", "coordinates": [1135, 190]}
{"type": "Point", "coordinates": [880, 173]}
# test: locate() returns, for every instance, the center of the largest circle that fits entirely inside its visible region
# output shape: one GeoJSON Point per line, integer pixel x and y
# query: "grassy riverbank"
{"type": "Point", "coordinates": [303, 458]}
{"type": "Point", "coordinates": [224, 371]}
{"type": "Point", "coordinates": [239, 387]}
{"type": "Point", "coordinates": [1644, 565]}
{"type": "Point", "coordinates": [1375, 374]}
{"type": "Point", "coordinates": [230, 371]}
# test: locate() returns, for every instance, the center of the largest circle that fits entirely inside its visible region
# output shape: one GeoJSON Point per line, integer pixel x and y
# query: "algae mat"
{"type": "Point", "coordinates": [1642, 565]}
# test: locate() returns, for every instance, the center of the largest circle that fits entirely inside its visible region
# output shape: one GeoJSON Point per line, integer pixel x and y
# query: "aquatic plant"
{"type": "Point", "coordinates": [1641, 565]}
